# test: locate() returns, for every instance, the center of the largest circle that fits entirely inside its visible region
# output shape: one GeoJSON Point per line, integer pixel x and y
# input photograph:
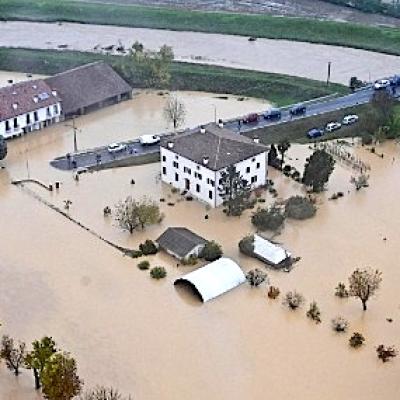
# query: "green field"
{"type": "Point", "coordinates": [280, 89]}
{"type": "Point", "coordinates": [381, 39]}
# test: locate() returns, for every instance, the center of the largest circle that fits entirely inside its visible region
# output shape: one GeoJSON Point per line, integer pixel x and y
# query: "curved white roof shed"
{"type": "Point", "coordinates": [215, 278]}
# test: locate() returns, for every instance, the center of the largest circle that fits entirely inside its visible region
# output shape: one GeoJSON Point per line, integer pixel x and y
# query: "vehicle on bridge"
{"type": "Point", "coordinates": [148, 140]}
{"type": "Point", "coordinates": [381, 84]}
{"type": "Point", "coordinates": [332, 126]}
{"type": "Point", "coordinates": [273, 114]}
{"type": "Point", "coordinates": [116, 147]}
{"type": "Point", "coordinates": [314, 133]}
{"type": "Point", "coordinates": [298, 110]}
{"type": "Point", "coordinates": [350, 119]}
{"type": "Point", "coordinates": [250, 118]}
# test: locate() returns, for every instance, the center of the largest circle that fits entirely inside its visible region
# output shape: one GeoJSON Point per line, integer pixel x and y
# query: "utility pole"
{"type": "Point", "coordinates": [75, 131]}
{"type": "Point", "coordinates": [329, 73]}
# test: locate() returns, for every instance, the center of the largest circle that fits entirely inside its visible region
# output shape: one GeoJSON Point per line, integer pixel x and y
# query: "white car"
{"type": "Point", "coordinates": [332, 126]}
{"type": "Point", "coordinates": [381, 84]}
{"type": "Point", "coordinates": [116, 147]}
{"type": "Point", "coordinates": [147, 140]}
{"type": "Point", "coordinates": [350, 119]}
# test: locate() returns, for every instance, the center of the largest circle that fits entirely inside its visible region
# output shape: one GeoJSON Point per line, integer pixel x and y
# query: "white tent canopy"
{"type": "Point", "coordinates": [269, 251]}
{"type": "Point", "coordinates": [215, 278]}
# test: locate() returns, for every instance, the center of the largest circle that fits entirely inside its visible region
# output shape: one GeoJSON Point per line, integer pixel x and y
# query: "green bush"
{"type": "Point", "coordinates": [158, 272]}
{"type": "Point", "coordinates": [246, 245]}
{"type": "Point", "coordinates": [268, 218]}
{"type": "Point", "coordinates": [135, 253]}
{"type": "Point", "coordinates": [148, 247]}
{"type": "Point", "coordinates": [143, 265]}
{"type": "Point", "coordinates": [191, 260]}
{"type": "Point", "coordinates": [356, 340]}
{"type": "Point", "coordinates": [298, 207]}
{"type": "Point", "coordinates": [212, 251]}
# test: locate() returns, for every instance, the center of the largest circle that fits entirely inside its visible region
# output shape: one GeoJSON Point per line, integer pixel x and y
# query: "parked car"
{"type": "Point", "coordinates": [314, 133]}
{"type": "Point", "coordinates": [273, 113]}
{"type": "Point", "coordinates": [250, 118]}
{"type": "Point", "coordinates": [116, 147]}
{"type": "Point", "coordinates": [350, 119]}
{"type": "Point", "coordinates": [381, 84]}
{"type": "Point", "coordinates": [298, 110]}
{"type": "Point", "coordinates": [148, 140]}
{"type": "Point", "coordinates": [332, 126]}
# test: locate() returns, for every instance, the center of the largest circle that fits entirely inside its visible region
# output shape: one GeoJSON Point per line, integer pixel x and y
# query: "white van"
{"type": "Point", "coordinates": [147, 140]}
{"type": "Point", "coordinates": [350, 119]}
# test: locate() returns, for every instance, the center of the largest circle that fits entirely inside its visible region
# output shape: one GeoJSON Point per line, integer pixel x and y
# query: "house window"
{"type": "Point", "coordinates": [199, 176]}
{"type": "Point", "coordinates": [198, 167]}
{"type": "Point", "coordinates": [187, 170]}
{"type": "Point", "coordinates": [164, 158]}
{"type": "Point", "coordinates": [254, 179]}
{"type": "Point", "coordinates": [164, 170]}
{"type": "Point", "coordinates": [15, 122]}
{"type": "Point", "coordinates": [253, 159]}
{"type": "Point", "coordinates": [197, 188]}
{"type": "Point", "coordinates": [7, 125]}
{"type": "Point", "coordinates": [210, 194]}
{"type": "Point", "coordinates": [55, 108]}
{"type": "Point", "coordinates": [28, 119]}
{"type": "Point", "coordinates": [258, 165]}
{"type": "Point", "coordinates": [176, 177]}
{"type": "Point", "coordinates": [176, 165]}
{"type": "Point", "coordinates": [176, 157]}
{"type": "Point", "coordinates": [48, 111]}
{"type": "Point", "coordinates": [36, 116]}
{"type": "Point", "coordinates": [247, 170]}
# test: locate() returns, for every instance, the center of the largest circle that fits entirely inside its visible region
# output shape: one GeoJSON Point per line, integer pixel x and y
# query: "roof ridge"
{"type": "Point", "coordinates": [78, 67]}
{"type": "Point", "coordinates": [217, 152]}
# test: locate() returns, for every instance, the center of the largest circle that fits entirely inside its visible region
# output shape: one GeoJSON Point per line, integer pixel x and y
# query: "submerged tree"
{"type": "Point", "coordinates": [314, 312]}
{"type": "Point", "coordinates": [293, 300]}
{"type": "Point", "coordinates": [211, 251]}
{"type": "Point", "coordinates": [13, 354]}
{"type": "Point", "coordinates": [385, 353]}
{"type": "Point", "coordinates": [256, 277]}
{"type": "Point", "coordinates": [234, 191]}
{"type": "Point", "coordinates": [103, 393]}
{"type": "Point", "coordinates": [318, 169]}
{"type": "Point", "coordinates": [3, 148]}
{"type": "Point", "coordinates": [174, 111]}
{"type": "Point", "coordinates": [363, 283]}
{"type": "Point", "coordinates": [271, 218]}
{"type": "Point", "coordinates": [283, 147]}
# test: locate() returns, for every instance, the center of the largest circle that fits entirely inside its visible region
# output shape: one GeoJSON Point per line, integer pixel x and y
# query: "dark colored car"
{"type": "Point", "coordinates": [273, 113]}
{"type": "Point", "coordinates": [250, 118]}
{"type": "Point", "coordinates": [314, 133]}
{"type": "Point", "coordinates": [298, 110]}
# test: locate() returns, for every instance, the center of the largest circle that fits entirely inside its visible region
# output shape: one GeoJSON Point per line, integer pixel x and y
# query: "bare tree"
{"type": "Point", "coordinates": [363, 284]}
{"type": "Point", "coordinates": [12, 354]}
{"type": "Point", "coordinates": [103, 393]}
{"type": "Point", "coordinates": [174, 111]}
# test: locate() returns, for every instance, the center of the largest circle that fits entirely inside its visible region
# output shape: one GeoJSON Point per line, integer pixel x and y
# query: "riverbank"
{"type": "Point", "coordinates": [380, 39]}
{"type": "Point", "coordinates": [277, 88]}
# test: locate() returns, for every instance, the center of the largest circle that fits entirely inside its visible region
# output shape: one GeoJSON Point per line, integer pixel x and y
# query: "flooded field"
{"type": "Point", "coordinates": [277, 56]}
{"type": "Point", "coordinates": [154, 342]}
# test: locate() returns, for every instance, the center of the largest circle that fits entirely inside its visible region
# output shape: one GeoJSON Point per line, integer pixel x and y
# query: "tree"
{"type": "Point", "coordinates": [234, 190]}
{"type": "Point", "coordinates": [131, 214]}
{"type": "Point", "coordinates": [283, 147]}
{"type": "Point", "coordinates": [3, 148]}
{"type": "Point", "coordinates": [271, 218]}
{"type": "Point", "coordinates": [174, 111]}
{"type": "Point", "coordinates": [60, 380]}
{"type": "Point", "coordinates": [314, 312]}
{"type": "Point", "coordinates": [385, 353]}
{"type": "Point", "coordinates": [137, 47]}
{"type": "Point", "coordinates": [356, 340]}
{"type": "Point", "coordinates": [293, 300]}
{"type": "Point", "coordinates": [363, 283]}
{"type": "Point", "coordinates": [211, 251]}
{"type": "Point", "coordinates": [393, 127]}
{"type": "Point", "coordinates": [298, 207]}
{"type": "Point", "coordinates": [103, 393]}
{"type": "Point", "coordinates": [12, 354]}
{"type": "Point", "coordinates": [383, 103]}
{"type": "Point", "coordinates": [273, 160]}
{"type": "Point", "coordinates": [340, 324]}
{"type": "Point", "coordinates": [39, 356]}
{"type": "Point", "coordinates": [355, 83]}
{"type": "Point", "coordinates": [318, 169]}
{"type": "Point", "coordinates": [246, 245]}
{"type": "Point", "coordinates": [256, 277]}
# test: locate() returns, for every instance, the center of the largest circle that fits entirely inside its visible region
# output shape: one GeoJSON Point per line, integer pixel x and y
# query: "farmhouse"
{"type": "Point", "coordinates": [193, 162]}
{"type": "Point", "coordinates": [28, 106]}
{"type": "Point", "coordinates": [89, 87]}
{"type": "Point", "coordinates": [181, 243]}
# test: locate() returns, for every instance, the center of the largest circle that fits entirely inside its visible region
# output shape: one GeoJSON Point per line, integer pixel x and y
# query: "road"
{"type": "Point", "coordinates": [101, 155]}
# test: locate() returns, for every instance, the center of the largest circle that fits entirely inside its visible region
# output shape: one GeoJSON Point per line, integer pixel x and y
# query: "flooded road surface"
{"type": "Point", "coordinates": [278, 56]}
{"type": "Point", "coordinates": [154, 342]}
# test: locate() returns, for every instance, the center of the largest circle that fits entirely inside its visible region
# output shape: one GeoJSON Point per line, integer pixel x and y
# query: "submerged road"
{"type": "Point", "coordinates": [101, 155]}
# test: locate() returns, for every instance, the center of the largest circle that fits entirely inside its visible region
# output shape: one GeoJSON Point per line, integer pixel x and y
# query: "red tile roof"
{"type": "Point", "coordinates": [23, 94]}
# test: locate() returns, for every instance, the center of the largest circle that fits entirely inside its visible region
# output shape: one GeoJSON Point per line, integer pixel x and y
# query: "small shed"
{"type": "Point", "coordinates": [181, 242]}
{"type": "Point", "coordinates": [214, 279]}
{"type": "Point", "coordinates": [270, 252]}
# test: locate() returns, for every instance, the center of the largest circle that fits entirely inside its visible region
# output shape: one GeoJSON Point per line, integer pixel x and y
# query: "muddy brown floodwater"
{"type": "Point", "coordinates": [149, 340]}
{"type": "Point", "coordinates": [278, 56]}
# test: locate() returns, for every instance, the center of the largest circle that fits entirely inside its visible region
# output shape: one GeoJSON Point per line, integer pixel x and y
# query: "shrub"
{"type": "Point", "coordinates": [366, 139]}
{"type": "Point", "coordinates": [273, 292]}
{"type": "Point", "coordinates": [356, 340]}
{"type": "Point", "coordinates": [268, 218]}
{"type": "Point", "coordinates": [191, 260]}
{"type": "Point", "coordinates": [211, 251]}
{"type": "Point", "coordinates": [340, 324]}
{"type": "Point", "coordinates": [144, 265]}
{"type": "Point", "coordinates": [148, 247]}
{"type": "Point", "coordinates": [293, 300]}
{"type": "Point", "coordinates": [158, 272]}
{"type": "Point", "coordinates": [134, 253]}
{"type": "Point", "coordinates": [298, 207]}
{"type": "Point", "coordinates": [341, 291]}
{"type": "Point", "coordinates": [385, 353]}
{"type": "Point", "coordinates": [256, 277]}
{"type": "Point", "coordinates": [246, 245]}
{"type": "Point", "coordinates": [314, 312]}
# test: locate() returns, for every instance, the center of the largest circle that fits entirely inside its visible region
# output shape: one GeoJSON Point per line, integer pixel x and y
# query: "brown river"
{"type": "Point", "coordinates": [155, 342]}
{"type": "Point", "coordinates": [279, 56]}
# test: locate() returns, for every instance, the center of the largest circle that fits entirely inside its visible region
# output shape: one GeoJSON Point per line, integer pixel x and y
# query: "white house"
{"type": "Point", "coordinates": [193, 162]}
{"type": "Point", "coordinates": [27, 106]}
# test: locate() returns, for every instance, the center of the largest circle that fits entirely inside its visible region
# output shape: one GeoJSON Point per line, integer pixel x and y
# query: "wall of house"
{"type": "Point", "coordinates": [19, 125]}
{"type": "Point", "coordinates": [253, 170]}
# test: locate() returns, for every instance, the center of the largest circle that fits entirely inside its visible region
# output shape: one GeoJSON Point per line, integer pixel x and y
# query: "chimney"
{"type": "Point", "coordinates": [35, 99]}
{"type": "Point", "coordinates": [15, 106]}
{"type": "Point", "coordinates": [206, 159]}
{"type": "Point", "coordinates": [54, 92]}
{"type": "Point", "coordinates": [256, 139]}
{"type": "Point", "coordinates": [170, 144]}
{"type": "Point", "coordinates": [202, 129]}
{"type": "Point", "coordinates": [220, 123]}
